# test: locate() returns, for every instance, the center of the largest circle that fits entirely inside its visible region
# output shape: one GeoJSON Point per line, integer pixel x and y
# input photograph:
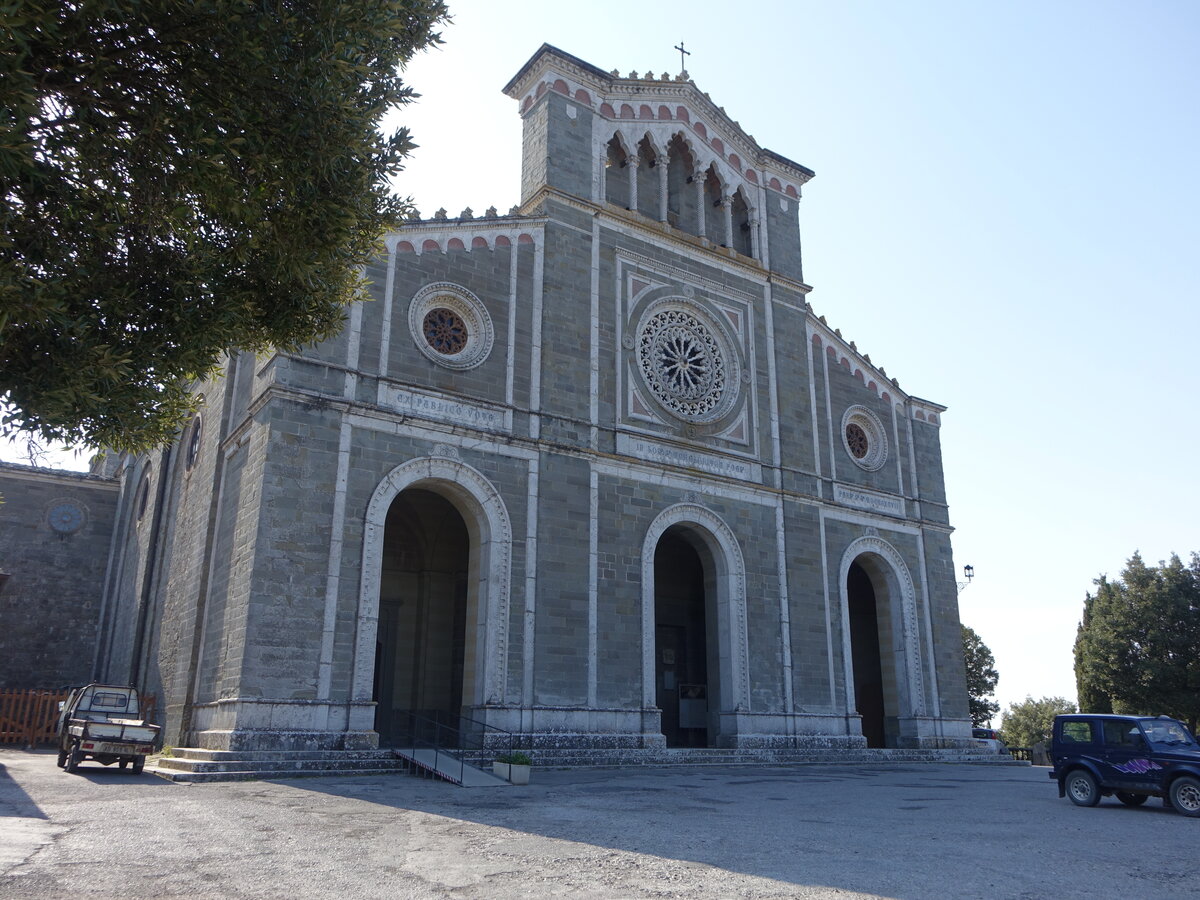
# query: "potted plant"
{"type": "Point", "coordinates": [513, 766]}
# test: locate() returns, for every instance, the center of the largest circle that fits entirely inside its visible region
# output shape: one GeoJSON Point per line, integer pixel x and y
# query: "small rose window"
{"type": "Point", "coordinates": [864, 438]}
{"type": "Point", "coordinates": [450, 325]}
{"type": "Point", "coordinates": [445, 331]}
{"type": "Point", "coordinates": [856, 440]}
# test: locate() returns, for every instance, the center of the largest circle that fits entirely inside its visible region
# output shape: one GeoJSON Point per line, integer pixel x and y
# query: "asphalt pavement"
{"type": "Point", "coordinates": [905, 831]}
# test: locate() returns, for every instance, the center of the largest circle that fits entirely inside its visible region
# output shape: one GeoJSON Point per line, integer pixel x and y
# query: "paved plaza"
{"type": "Point", "coordinates": [920, 830]}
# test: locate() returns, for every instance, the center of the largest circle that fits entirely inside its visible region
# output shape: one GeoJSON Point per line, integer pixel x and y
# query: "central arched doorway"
{"type": "Point", "coordinates": [875, 635]}
{"type": "Point", "coordinates": [422, 656]}
{"type": "Point", "coordinates": [686, 647]}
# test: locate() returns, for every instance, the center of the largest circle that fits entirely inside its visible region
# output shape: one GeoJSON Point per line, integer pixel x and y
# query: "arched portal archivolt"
{"type": "Point", "coordinates": [899, 589]}
{"type": "Point", "coordinates": [731, 597]}
{"type": "Point", "coordinates": [487, 523]}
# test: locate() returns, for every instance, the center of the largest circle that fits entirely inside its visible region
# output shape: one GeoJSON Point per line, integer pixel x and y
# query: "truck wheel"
{"type": "Point", "coordinates": [1132, 799]}
{"type": "Point", "coordinates": [75, 758]}
{"type": "Point", "coordinates": [139, 763]}
{"type": "Point", "coordinates": [62, 758]}
{"type": "Point", "coordinates": [1082, 789]}
{"type": "Point", "coordinates": [1185, 795]}
{"type": "Point", "coordinates": [123, 763]}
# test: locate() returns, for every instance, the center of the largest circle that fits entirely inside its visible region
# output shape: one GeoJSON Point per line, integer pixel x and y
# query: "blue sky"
{"type": "Point", "coordinates": [1004, 216]}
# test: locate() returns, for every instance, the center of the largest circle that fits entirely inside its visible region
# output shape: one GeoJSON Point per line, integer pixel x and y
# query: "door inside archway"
{"type": "Point", "coordinates": [864, 644]}
{"type": "Point", "coordinates": [422, 660]}
{"type": "Point", "coordinates": [682, 645]}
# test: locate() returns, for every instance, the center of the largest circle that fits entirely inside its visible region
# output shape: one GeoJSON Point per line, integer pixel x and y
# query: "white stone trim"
{"type": "Point", "coordinates": [593, 620]}
{"type": "Point", "coordinates": [931, 656]}
{"type": "Point", "coordinates": [488, 524]}
{"type": "Point", "coordinates": [785, 616]}
{"type": "Point", "coordinates": [385, 337]}
{"type": "Point", "coordinates": [510, 363]}
{"type": "Point", "coordinates": [594, 341]}
{"type": "Point", "coordinates": [531, 560]}
{"type": "Point", "coordinates": [535, 343]}
{"type": "Point", "coordinates": [730, 602]}
{"type": "Point", "coordinates": [334, 569]}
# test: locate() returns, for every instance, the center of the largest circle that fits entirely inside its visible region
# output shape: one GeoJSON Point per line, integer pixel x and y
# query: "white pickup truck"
{"type": "Point", "coordinates": [103, 722]}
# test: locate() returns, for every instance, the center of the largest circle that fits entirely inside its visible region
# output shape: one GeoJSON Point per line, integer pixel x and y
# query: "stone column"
{"type": "Point", "coordinates": [701, 212]}
{"type": "Point", "coordinates": [633, 162]}
{"type": "Point", "coordinates": [727, 215]}
{"type": "Point", "coordinates": [662, 189]}
{"type": "Point", "coordinates": [754, 239]}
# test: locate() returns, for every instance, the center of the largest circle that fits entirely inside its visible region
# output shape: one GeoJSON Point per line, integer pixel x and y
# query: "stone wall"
{"type": "Point", "coordinates": [55, 530]}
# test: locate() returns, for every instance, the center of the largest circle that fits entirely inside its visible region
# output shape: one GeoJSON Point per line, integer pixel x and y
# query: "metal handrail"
{"type": "Point", "coordinates": [453, 742]}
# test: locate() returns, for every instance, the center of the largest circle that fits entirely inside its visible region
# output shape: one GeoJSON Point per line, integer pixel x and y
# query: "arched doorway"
{"type": "Point", "coordinates": [687, 662]}
{"type": "Point", "coordinates": [867, 638]}
{"type": "Point", "coordinates": [422, 656]}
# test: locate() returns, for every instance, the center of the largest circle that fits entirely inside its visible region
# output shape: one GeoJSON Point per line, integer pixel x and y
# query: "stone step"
{"type": "Point", "coordinates": [756, 757]}
{"type": "Point", "coordinates": [282, 755]}
{"type": "Point", "coordinates": [324, 763]}
{"type": "Point", "coordinates": [196, 765]}
{"type": "Point", "coordinates": [258, 775]}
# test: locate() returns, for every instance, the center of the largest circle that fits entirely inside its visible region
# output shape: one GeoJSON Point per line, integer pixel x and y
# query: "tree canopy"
{"type": "Point", "coordinates": [180, 179]}
{"type": "Point", "coordinates": [981, 677]}
{"type": "Point", "coordinates": [1031, 721]}
{"type": "Point", "coordinates": [1137, 650]}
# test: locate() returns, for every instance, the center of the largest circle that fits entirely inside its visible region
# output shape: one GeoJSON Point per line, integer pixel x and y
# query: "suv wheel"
{"type": "Point", "coordinates": [1185, 795]}
{"type": "Point", "coordinates": [1081, 788]}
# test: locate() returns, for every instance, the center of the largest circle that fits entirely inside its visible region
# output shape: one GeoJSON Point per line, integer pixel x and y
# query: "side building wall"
{"type": "Point", "coordinates": [55, 533]}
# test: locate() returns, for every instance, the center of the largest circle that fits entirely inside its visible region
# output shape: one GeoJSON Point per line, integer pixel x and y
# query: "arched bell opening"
{"type": "Point", "coordinates": [681, 196]}
{"type": "Point", "coordinates": [647, 175]}
{"type": "Point", "coordinates": [616, 173]}
{"type": "Point", "coordinates": [741, 240]}
{"type": "Point", "coordinates": [714, 213]}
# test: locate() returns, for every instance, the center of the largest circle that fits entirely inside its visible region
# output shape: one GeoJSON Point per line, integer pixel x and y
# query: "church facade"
{"type": "Point", "coordinates": [592, 472]}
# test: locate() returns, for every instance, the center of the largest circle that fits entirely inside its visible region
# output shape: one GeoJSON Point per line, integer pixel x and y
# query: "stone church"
{"type": "Point", "coordinates": [592, 472]}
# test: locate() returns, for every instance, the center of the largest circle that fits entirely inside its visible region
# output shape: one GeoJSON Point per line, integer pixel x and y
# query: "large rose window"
{"type": "Point", "coordinates": [686, 364]}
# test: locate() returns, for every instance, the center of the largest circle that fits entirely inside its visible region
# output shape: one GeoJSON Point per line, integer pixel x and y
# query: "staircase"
{"type": "Point", "coordinates": [190, 765]}
{"type": "Point", "coordinates": [559, 758]}
{"type": "Point", "coordinates": [193, 765]}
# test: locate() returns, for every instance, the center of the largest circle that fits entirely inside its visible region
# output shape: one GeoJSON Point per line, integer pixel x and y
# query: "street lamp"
{"type": "Point", "coordinates": [968, 573]}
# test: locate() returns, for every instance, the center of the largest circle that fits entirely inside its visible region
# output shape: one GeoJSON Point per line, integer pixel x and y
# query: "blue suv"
{"type": "Point", "coordinates": [1133, 757]}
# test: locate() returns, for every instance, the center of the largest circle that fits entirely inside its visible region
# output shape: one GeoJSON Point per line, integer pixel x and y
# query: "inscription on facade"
{"type": "Point", "coordinates": [662, 454]}
{"type": "Point", "coordinates": [442, 409]}
{"type": "Point", "coordinates": [869, 500]}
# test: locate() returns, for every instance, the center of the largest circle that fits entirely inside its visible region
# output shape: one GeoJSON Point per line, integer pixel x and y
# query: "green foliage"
{"type": "Point", "coordinates": [515, 758]}
{"type": "Point", "coordinates": [1026, 723]}
{"type": "Point", "coordinates": [180, 179]}
{"type": "Point", "coordinates": [1138, 646]}
{"type": "Point", "coordinates": [981, 677]}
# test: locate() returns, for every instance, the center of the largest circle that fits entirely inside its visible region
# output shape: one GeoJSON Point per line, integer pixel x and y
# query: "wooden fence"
{"type": "Point", "coordinates": [29, 717]}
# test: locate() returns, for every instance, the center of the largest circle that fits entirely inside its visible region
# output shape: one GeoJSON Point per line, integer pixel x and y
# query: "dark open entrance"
{"type": "Point", "coordinates": [420, 650]}
{"type": "Point", "coordinates": [681, 641]}
{"type": "Point", "coordinates": [864, 643]}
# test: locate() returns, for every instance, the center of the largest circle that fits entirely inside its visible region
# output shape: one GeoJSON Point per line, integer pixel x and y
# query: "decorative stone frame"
{"type": "Point", "coordinates": [66, 515]}
{"type": "Point", "coordinates": [892, 583]}
{"type": "Point", "coordinates": [730, 376]}
{"type": "Point", "coordinates": [465, 305]}
{"type": "Point", "coordinates": [488, 571]}
{"type": "Point", "coordinates": [877, 442]}
{"type": "Point", "coordinates": [729, 573]}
